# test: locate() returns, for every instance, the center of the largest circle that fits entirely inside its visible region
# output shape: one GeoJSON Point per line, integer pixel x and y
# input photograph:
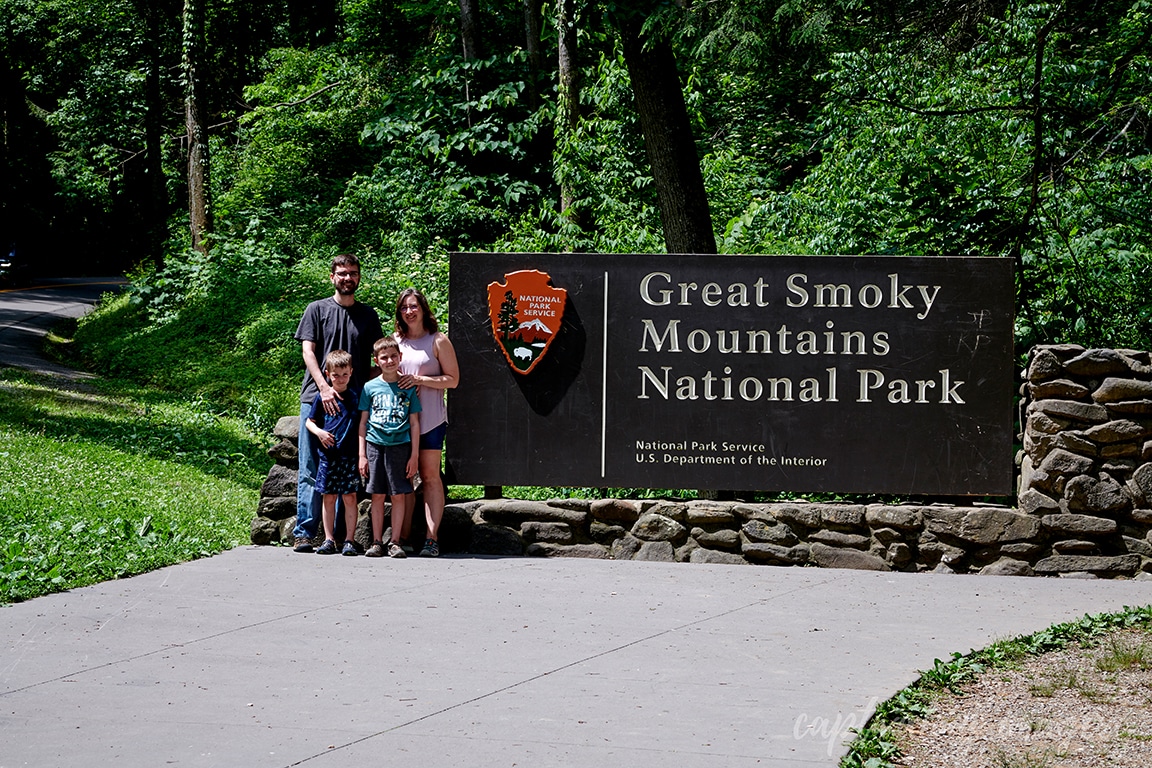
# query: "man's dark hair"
{"type": "Point", "coordinates": [344, 260]}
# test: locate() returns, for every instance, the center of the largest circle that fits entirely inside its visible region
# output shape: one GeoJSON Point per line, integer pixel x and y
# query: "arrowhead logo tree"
{"type": "Point", "coordinates": [526, 310]}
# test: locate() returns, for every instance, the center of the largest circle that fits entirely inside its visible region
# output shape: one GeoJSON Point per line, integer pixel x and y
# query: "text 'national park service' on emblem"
{"type": "Point", "coordinates": [526, 310]}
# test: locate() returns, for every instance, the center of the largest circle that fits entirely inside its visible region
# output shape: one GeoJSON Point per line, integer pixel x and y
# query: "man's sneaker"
{"type": "Point", "coordinates": [376, 550]}
{"type": "Point", "coordinates": [349, 550]}
{"type": "Point", "coordinates": [302, 544]}
{"type": "Point", "coordinates": [327, 548]}
{"type": "Point", "coordinates": [431, 549]}
{"type": "Point", "coordinates": [395, 550]}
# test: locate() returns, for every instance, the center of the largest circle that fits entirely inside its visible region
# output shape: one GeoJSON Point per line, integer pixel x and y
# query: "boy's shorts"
{"type": "Point", "coordinates": [386, 468]}
{"type": "Point", "coordinates": [337, 474]}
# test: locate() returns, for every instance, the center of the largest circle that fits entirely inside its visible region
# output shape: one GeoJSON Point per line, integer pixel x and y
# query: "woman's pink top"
{"type": "Point", "coordinates": [418, 358]}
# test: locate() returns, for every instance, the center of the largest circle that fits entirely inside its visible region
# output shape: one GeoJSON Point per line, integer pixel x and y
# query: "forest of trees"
{"type": "Point", "coordinates": [221, 151]}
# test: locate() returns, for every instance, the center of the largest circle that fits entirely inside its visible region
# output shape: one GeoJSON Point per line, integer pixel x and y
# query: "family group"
{"type": "Point", "coordinates": [372, 417]}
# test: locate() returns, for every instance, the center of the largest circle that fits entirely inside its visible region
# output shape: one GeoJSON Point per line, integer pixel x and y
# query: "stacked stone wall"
{"type": "Point", "coordinates": [276, 511]}
{"type": "Point", "coordinates": [937, 537]}
{"type": "Point", "coordinates": [1085, 470]}
{"type": "Point", "coordinates": [1084, 505]}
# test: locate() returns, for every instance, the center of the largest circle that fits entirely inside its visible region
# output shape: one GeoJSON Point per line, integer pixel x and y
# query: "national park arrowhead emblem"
{"type": "Point", "coordinates": [525, 310]}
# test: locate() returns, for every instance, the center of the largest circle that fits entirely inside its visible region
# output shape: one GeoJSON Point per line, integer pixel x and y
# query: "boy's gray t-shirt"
{"type": "Point", "coordinates": [331, 326]}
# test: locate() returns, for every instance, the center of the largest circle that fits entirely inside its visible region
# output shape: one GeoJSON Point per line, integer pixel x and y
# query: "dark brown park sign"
{"type": "Point", "coordinates": [852, 374]}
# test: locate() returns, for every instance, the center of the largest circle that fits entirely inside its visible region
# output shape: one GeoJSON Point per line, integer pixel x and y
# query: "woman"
{"type": "Point", "coordinates": [428, 362]}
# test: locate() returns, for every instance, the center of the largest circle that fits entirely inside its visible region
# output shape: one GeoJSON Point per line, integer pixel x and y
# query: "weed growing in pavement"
{"type": "Point", "coordinates": [1026, 759]}
{"type": "Point", "coordinates": [1062, 678]}
{"type": "Point", "coordinates": [1124, 653]}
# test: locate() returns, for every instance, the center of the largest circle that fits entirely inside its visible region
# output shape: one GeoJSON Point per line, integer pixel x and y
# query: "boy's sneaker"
{"type": "Point", "coordinates": [395, 550]}
{"type": "Point", "coordinates": [302, 544]}
{"type": "Point", "coordinates": [431, 549]}
{"type": "Point", "coordinates": [349, 550]}
{"type": "Point", "coordinates": [376, 550]}
{"type": "Point", "coordinates": [327, 548]}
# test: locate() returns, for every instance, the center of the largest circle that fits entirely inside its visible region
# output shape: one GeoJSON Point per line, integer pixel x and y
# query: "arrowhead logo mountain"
{"type": "Point", "coordinates": [525, 311]}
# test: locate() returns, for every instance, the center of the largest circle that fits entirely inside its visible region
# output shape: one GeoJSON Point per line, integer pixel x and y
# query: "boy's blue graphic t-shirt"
{"type": "Point", "coordinates": [344, 426]}
{"type": "Point", "coordinates": [388, 408]}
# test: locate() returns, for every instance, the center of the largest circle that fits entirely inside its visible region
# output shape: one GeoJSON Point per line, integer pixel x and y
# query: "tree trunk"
{"type": "Point", "coordinates": [8, 85]}
{"type": "Point", "coordinates": [669, 143]}
{"type": "Point", "coordinates": [156, 202]}
{"type": "Point", "coordinates": [469, 14]}
{"type": "Point", "coordinates": [199, 212]}
{"type": "Point", "coordinates": [568, 97]}
{"type": "Point", "coordinates": [532, 47]}
{"type": "Point", "coordinates": [469, 11]}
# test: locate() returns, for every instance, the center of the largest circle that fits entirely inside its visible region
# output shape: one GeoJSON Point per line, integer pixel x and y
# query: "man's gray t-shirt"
{"type": "Point", "coordinates": [331, 326]}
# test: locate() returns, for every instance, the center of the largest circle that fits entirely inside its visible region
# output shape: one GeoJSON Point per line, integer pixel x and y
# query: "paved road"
{"type": "Point", "coordinates": [26, 315]}
{"type": "Point", "coordinates": [261, 657]}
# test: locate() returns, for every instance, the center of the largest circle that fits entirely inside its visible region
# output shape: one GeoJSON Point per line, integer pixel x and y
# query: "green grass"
{"type": "Point", "coordinates": [1026, 759]}
{"type": "Point", "coordinates": [107, 481]}
{"type": "Point", "coordinates": [1125, 653]}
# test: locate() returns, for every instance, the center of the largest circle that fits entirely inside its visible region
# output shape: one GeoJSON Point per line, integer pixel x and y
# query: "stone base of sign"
{"type": "Point", "coordinates": [941, 538]}
{"type": "Point", "coordinates": [1084, 507]}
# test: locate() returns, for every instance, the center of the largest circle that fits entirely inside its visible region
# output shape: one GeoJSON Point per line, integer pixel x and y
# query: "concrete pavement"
{"type": "Point", "coordinates": [264, 657]}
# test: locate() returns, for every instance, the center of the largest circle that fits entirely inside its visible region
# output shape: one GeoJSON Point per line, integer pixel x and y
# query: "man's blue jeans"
{"type": "Point", "coordinates": [309, 503]}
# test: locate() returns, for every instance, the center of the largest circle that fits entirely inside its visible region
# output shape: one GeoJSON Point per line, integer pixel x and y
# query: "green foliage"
{"type": "Point", "coordinates": [907, 705]}
{"type": "Point", "coordinates": [950, 675]}
{"type": "Point", "coordinates": [872, 748]}
{"type": "Point", "coordinates": [454, 168]}
{"type": "Point", "coordinates": [1013, 131]}
{"type": "Point", "coordinates": [603, 162]}
{"type": "Point", "coordinates": [95, 84]}
{"type": "Point", "coordinates": [544, 493]}
{"type": "Point", "coordinates": [172, 331]}
{"type": "Point", "coordinates": [929, 149]}
{"type": "Point", "coordinates": [145, 516]}
{"type": "Point", "coordinates": [296, 150]}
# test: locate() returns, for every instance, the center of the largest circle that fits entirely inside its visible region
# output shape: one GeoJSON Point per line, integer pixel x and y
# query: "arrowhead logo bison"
{"type": "Point", "coordinates": [525, 310]}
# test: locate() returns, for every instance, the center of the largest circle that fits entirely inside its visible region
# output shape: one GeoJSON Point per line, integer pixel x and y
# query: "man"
{"type": "Point", "coordinates": [337, 322]}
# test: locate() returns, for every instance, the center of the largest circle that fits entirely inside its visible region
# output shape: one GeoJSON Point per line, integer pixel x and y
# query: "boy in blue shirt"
{"type": "Point", "coordinates": [336, 470]}
{"type": "Point", "coordinates": [389, 445]}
